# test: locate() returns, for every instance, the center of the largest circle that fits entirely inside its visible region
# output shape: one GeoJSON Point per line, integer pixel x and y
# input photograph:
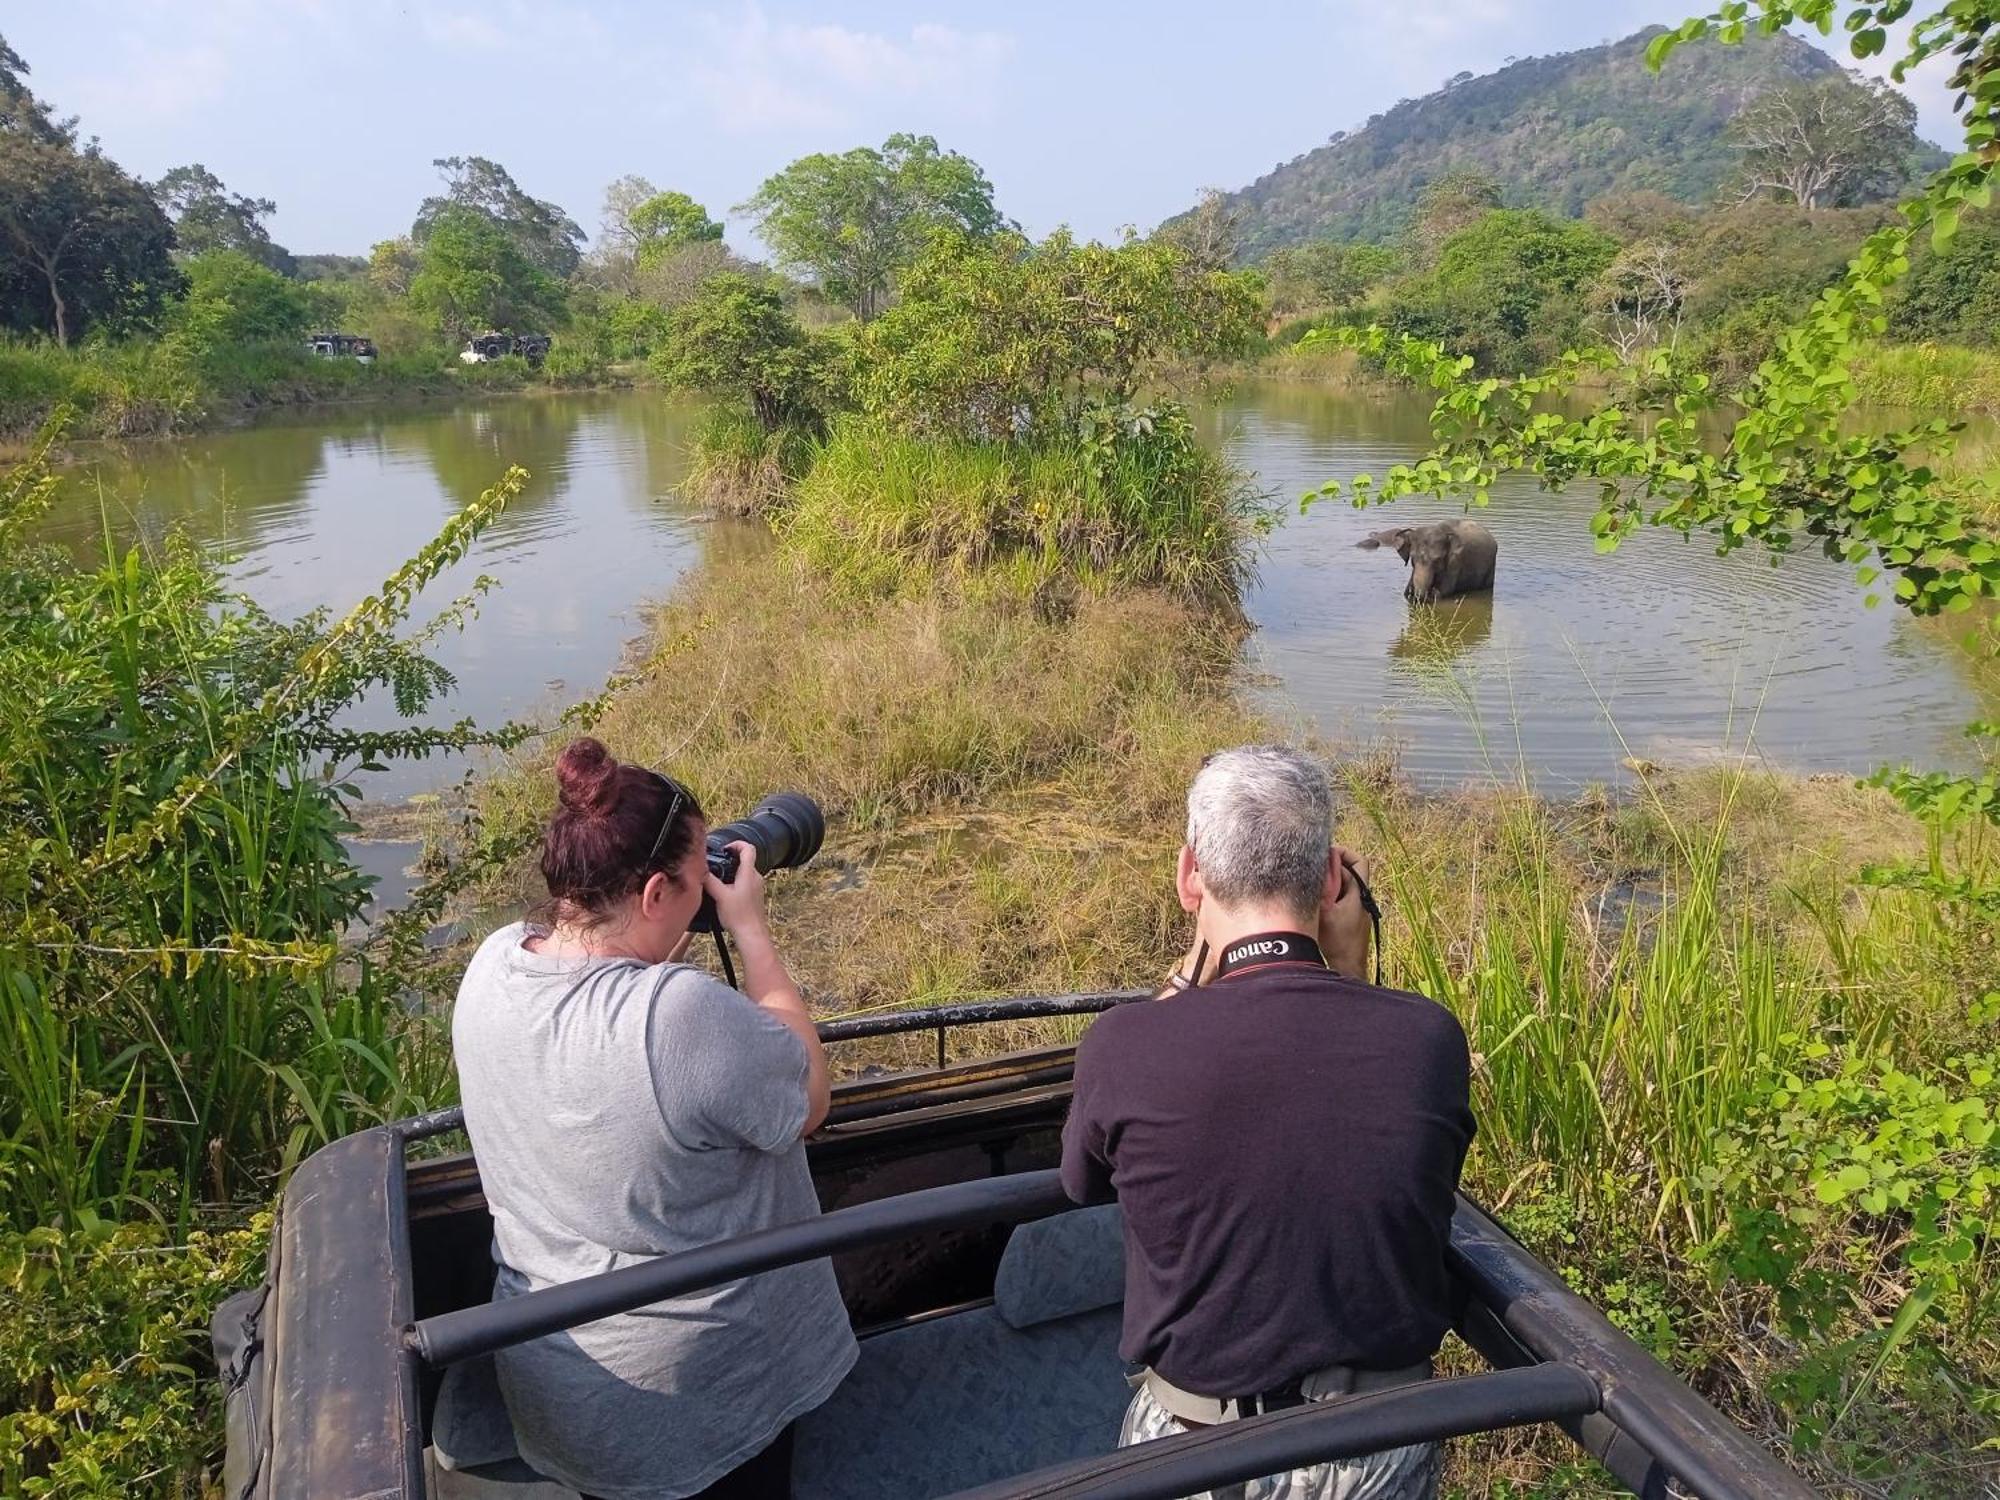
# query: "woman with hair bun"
{"type": "Point", "coordinates": [624, 1105]}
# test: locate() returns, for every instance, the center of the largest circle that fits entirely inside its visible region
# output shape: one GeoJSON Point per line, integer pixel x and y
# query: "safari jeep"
{"type": "Point", "coordinates": [987, 1308]}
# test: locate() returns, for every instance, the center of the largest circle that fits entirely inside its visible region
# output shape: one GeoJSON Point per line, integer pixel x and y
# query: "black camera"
{"type": "Point", "coordinates": [786, 829]}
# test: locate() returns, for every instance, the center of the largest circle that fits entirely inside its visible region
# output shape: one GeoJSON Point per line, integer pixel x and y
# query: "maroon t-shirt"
{"type": "Point", "coordinates": [1285, 1144]}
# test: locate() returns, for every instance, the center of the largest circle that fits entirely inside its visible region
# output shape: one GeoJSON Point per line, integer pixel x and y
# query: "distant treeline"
{"type": "Point", "coordinates": [1515, 287]}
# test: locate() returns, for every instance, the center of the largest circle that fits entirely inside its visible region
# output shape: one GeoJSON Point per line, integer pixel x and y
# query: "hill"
{"type": "Point", "coordinates": [1554, 131]}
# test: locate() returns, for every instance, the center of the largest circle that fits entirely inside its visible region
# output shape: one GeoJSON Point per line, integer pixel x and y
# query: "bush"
{"type": "Point", "coordinates": [1508, 290]}
{"type": "Point", "coordinates": [192, 866]}
{"type": "Point", "coordinates": [1135, 498]}
{"type": "Point", "coordinates": [1954, 296]}
{"type": "Point", "coordinates": [998, 338]}
{"type": "Point", "coordinates": [181, 1020]}
{"type": "Point", "coordinates": [107, 1389]}
{"type": "Point", "coordinates": [739, 467]}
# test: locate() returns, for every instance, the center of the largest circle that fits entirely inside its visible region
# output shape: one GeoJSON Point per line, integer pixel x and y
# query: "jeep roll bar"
{"type": "Point", "coordinates": [1609, 1394]}
{"type": "Point", "coordinates": [1666, 1429]}
{"type": "Point", "coordinates": [1556, 1357]}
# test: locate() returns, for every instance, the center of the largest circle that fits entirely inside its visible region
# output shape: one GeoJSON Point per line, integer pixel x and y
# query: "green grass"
{"type": "Point", "coordinates": [148, 388]}
{"type": "Point", "coordinates": [1945, 380]}
{"type": "Point", "coordinates": [737, 468]}
{"type": "Point", "coordinates": [879, 509]}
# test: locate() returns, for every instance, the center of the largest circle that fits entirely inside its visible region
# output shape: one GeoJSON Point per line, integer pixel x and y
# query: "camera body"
{"type": "Point", "coordinates": [785, 828]}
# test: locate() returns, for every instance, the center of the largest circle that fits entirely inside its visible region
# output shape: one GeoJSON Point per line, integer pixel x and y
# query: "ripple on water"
{"type": "Point", "coordinates": [1662, 649]}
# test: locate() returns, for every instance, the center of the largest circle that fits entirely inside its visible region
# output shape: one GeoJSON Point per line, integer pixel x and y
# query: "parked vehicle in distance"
{"type": "Point", "coordinates": [479, 349]}
{"type": "Point", "coordinates": [341, 346]}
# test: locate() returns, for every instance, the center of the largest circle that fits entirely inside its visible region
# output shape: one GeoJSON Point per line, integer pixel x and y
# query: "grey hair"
{"type": "Point", "coordinates": [1260, 822]}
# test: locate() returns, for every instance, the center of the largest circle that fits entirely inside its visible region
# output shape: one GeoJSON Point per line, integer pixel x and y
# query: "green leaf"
{"type": "Point", "coordinates": [1944, 225]}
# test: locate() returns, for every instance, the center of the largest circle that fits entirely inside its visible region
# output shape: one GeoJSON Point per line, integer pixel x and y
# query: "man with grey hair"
{"type": "Point", "coordinates": [1285, 1140]}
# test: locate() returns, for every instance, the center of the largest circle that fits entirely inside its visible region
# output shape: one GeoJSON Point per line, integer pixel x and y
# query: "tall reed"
{"type": "Point", "coordinates": [174, 890]}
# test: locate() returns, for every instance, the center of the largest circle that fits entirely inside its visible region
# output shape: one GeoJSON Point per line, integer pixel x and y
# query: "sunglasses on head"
{"type": "Point", "coordinates": [680, 797]}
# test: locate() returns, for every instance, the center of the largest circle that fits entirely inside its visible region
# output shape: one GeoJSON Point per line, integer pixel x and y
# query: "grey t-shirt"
{"type": "Point", "coordinates": [619, 1112]}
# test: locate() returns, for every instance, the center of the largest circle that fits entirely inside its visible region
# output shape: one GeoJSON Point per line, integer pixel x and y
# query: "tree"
{"type": "Point", "coordinates": [1506, 290]}
{"type": "Point", "coordinates": [393, 265]}
{"type": "Point", "coordinates": [1453, 201]}
{"type": "Point", "coordinates": [208, 217]}
{"type": "Point", "coordinates": [332, 268]}
{"type": "Point", "coordinates": [1822, 145]}
{"type": "Point", "coordinates": [21, 113]}
{"type": "Point", "coordinates": [621, 196]}
{"type": "Point", "coordinates": [1207, 234]}
{"type": "Point", "coordinates": [1642, 295]}
{"type": "Point", "coordinates": [1325, 275]}
{"type": "Point", "coordinates": [850, 222]}
{"type": "Point", "coordinates": [734, 338]}
{"type": "Point", "coordinates": [81, 243]}
{"type": "Point", "coordinates": [234, 300]}
{"type": "Point", "coordinates": [669, 277]}
{"type": "Point", "coordinates": [997, 338]}
{"type": "Point", "coordinates": [472, 275]}
{"type": "Point", "coordinates": [546, 237]}
{"type": "Point", "coordinates": [667, 222]}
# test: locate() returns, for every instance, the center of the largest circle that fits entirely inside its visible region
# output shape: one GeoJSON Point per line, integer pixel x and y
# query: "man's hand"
{"type": "Point", "coordinates": [1343, 921]}
{"type": "Point", "coordinates": [1182, 976]}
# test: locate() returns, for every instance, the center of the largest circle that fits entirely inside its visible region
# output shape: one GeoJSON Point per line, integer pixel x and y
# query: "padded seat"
{"type": "Point", "coordinates": [941, 1405]}
{"type": "Point", "coordinates": [931, 1407]}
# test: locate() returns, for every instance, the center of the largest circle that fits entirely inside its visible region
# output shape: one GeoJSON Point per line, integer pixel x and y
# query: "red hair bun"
{"type": "Point", "coordinates": [586, 777]}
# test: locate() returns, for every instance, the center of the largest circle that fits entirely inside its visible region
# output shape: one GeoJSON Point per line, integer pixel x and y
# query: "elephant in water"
{"type": "Point", "coordinates": [1446, 558]}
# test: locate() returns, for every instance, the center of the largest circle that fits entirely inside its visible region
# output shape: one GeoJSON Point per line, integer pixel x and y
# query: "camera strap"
{"type": "Point", "coordinates": [1303, 949]}
{"type": "Point", "coordinates": [1374, 910]}
{"type": "Point", "coordinates": [1261, 948]}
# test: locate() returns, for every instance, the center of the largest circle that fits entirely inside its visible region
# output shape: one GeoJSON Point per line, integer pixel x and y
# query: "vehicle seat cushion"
{"type": "Point", "coordinates": [1061, 1266]}
{"type": "Point", "coordinates": [963, 1400]}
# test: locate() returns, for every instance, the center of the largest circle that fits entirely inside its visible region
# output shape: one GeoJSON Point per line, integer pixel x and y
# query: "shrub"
{"type": "Point", "coordinates": [741, 468]}
{"type": "Point", "coordinates": [106, 1385]}
{"type": "Point", "coordinates": [1135, 499]}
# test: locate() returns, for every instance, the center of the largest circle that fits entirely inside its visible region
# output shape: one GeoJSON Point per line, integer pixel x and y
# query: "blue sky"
{"type": "Point", "coordinates": [1088, 113]}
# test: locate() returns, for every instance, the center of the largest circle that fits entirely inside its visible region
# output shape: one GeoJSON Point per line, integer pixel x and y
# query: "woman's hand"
{"type": "Point", "coordinates": [1343, 921]}
{"type": "Point", "coordinates": [740, 905]}
{"type": "Point", "coordinates": [740, 902]}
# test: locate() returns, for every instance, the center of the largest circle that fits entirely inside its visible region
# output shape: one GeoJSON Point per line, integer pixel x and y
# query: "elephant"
{"type": "Point", "coordinates": [1446, 558]}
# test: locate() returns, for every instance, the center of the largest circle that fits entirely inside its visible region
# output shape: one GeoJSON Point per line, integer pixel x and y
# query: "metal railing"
{"type": "Point", "coordinates": [1561, 1360]}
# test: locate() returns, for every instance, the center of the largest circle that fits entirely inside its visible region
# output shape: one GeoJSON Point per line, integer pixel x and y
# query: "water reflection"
{"type": "Point", "coordinates": [468, 448]}
{"type": "Point", "coordinates": [216, 492]}
{"type": "Point", "coordinates": [317, 512]}
{"type": "Point", "coordinates": [1439, 633]}
{"type": "Point", "coordinates": [1663, 650]}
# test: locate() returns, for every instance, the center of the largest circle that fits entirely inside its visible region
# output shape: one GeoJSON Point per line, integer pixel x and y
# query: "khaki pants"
{"type": "Point", "coordinates": [1399, 1474]}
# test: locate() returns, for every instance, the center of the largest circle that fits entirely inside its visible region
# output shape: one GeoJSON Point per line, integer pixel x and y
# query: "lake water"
{"type": "Point", "coordinates": [1662, 650]}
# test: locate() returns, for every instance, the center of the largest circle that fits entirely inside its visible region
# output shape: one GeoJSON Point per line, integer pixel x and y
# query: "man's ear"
{"type": "Point", "coordinates": [1187, 881]}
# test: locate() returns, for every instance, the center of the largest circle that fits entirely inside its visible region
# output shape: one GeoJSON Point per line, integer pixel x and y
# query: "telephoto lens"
{"type": "Point", "coordinates": [786, 829]}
